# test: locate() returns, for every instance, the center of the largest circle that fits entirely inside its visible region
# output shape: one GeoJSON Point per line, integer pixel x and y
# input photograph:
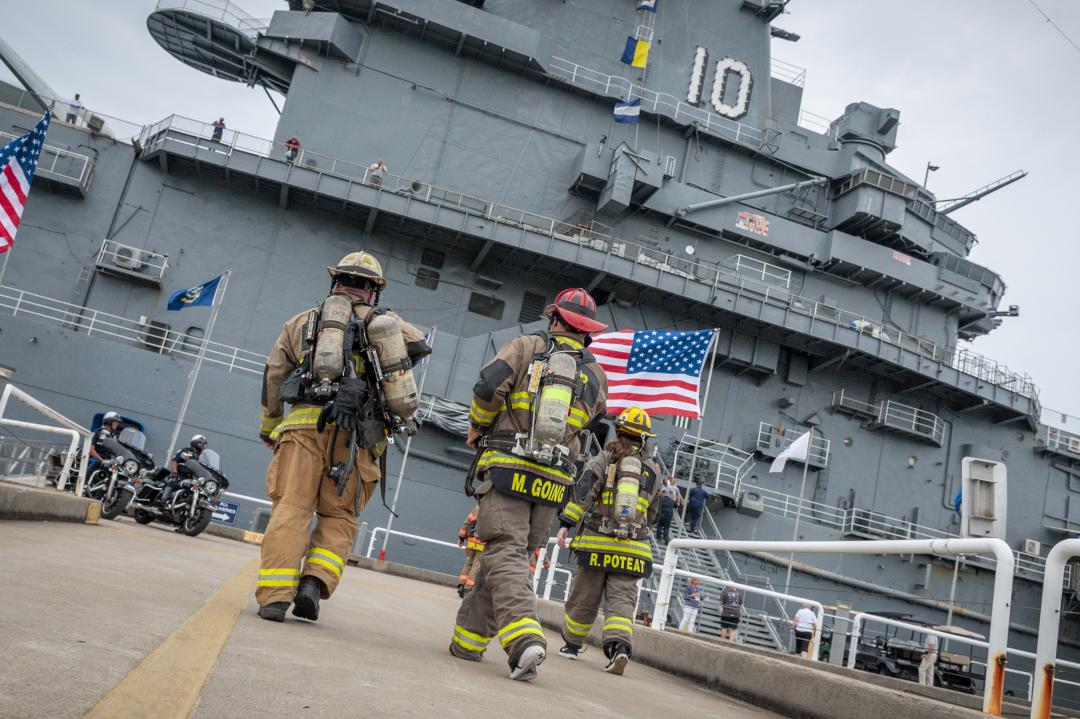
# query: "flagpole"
{"type": "Point", "coordinates": [405, 457]}
{"type": "Point", "coordinates": [701, 422]}
{"type": "Point", "coordinates": [798, 511]}
{"type": "Point", "coordinates": [218, 299]}
{"type": "Point", "coordinates": [3, 265]}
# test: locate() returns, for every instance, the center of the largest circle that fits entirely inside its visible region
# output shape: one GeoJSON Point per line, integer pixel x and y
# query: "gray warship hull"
{"type": "Point", "coordinates": [839, 305]}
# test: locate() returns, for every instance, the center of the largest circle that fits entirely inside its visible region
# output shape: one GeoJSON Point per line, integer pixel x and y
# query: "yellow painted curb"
{"type": "Point", "coordinates": [93, 513]}
{"type": "Point", "coordinates": [167, 683]}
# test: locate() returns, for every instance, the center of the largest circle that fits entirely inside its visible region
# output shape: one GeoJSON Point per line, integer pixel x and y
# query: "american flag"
{"type": "Point", "coordinates": [18, 161]}
{"type": "Point", "coordinates": [659, 371]}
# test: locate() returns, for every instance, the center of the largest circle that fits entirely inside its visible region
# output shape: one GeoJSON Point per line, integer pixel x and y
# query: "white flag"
{"type": "Point", "coordinates": [798, 450]}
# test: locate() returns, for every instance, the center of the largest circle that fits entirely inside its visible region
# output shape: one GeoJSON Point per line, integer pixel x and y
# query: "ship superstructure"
{"type": "Point", "coordinates": [842, 288]}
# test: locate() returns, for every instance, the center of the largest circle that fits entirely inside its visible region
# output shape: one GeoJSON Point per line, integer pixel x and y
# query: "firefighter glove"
{"type": "Point", "coordinates": [344, 410]}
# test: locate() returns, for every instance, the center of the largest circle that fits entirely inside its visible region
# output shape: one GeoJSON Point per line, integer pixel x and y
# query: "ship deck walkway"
{"type": "Point", "coordinates": [497, 233]}
{"type": "Point", "coordinates": [121, 620]}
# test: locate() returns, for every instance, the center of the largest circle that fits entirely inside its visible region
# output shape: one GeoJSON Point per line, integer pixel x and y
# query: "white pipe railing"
{"type": "Point", "coordinates": [1049, 624]}
{"type": "Point", "coordinates": [819, 609]}
{"type": "Point", "coordinates": [1000, 605]}
{"type": "Point", "coordinates": [67, 427]}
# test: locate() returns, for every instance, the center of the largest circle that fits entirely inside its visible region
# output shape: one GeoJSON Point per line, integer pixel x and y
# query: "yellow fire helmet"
{"type": "Point", "coordinates": [361, 264]}
{"type": "Point", "coordinates": [634, 421]}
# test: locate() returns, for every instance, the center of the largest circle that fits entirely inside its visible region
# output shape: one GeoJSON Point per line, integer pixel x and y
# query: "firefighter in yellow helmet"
{"type": "Point", "coordinates": [473, 549]}
{"type": "Point", "coordinates": [618, 502]}
{"type": "Point", "coordinates": [314, 368]}
{"type": "Point", "coordinates": [529, 406]}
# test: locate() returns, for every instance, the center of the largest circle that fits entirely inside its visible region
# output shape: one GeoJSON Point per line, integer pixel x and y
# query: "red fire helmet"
{"type": "Point", "coordinates": [577, 309]}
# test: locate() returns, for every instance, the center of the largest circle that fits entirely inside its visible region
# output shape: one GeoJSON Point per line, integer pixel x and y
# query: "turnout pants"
{"type": "Point", "coordinates": [502, 603]}
{"type": "Point", "coordinates": [618, 592]}
{"type": "Point", "coordinates": [298, 486]}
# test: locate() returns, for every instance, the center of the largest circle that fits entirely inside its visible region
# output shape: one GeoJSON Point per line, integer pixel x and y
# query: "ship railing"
{"type": "Point", "coordinates": [198, 135]}
{"type": "Point", "coordinates": [1061, 441]}
{"type": "Point", "coordinates": [58, 162]}
{"type": "Point", "coordinates": [680, 111]}
{"type": "Point", "coordinates": [756, 269]}
{"type": "Point", "coordinates": [770, 439]}
{"type": "Point", "coordinates": [224, 11]}
{"type": "Point", "coordinates": [728, 465]}
{"type": "Point", "coordinates": [788, 72]}
{"type": "Point", "coordinates": [27, 460]}
{"type": "Point", "coordinates": [135, 259]}
{"type": "Point", "coordinates": [817, 123]}
{"type": "Point", "coordinates": [913, 421]}
{"type": "Point", "coordinates": [151, 336]}
{"type": "Point", "coordinates": [115, 127]}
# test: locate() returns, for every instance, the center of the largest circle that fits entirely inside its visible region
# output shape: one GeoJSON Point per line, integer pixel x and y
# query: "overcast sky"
{"type": "Point", "coordinates": [984, 87]}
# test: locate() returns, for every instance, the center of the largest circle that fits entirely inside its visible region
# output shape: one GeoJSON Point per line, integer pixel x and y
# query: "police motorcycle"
{"type": "Point", "coordinates": [192, 504]}
{"type": "Point", "coordinates": [113, 482]}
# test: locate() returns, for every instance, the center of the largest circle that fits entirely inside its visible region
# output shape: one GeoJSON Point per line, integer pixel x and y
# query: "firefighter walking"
{"type": "Point", "coordinates": [308, 369]}
{"type": "Point", "coordinates": [473, 548]}
{"type": "Point", "coordinates": [529, 406]}
{"type": "Point", "coordinates": [619, 489]}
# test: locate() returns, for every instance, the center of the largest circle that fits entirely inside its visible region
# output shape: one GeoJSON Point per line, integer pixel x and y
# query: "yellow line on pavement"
{"type": "Point", "coordinates": [167, 683]}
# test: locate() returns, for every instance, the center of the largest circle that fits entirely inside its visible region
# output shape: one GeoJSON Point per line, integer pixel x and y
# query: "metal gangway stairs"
{"type": "Point", "coordinates": [757, 627]}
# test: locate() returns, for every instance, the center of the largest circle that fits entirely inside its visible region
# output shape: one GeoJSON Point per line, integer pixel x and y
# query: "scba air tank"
{"type": "Point", "coordinates": [553, 401]}
{"type": "Point", "coordinates": [399, 387]}
{"type": "Point", "coordinates": [627, 488]}
{"type": "Point", "coordinates": [328, 365]}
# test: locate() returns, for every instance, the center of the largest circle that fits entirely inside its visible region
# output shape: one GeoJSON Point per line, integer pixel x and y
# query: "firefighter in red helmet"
{"type": "Point", "coordinates": [529, 407]}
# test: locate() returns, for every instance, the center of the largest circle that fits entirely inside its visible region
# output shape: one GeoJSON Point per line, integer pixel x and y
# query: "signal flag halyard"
{"type": "Point", "coordinates": [659, 371]}
{"type": "Point", "coordinates": [18, 162]}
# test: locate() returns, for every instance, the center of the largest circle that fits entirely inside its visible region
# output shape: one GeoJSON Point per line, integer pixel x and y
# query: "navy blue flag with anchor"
{"type": "Point", "coordinates": [196, 296]}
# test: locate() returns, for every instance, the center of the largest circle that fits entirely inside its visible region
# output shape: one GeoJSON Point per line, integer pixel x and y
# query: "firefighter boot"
{"type": "Point", "coordinates": [306, 602]}
{"type": "Point", "coordinates": [618, 654]}
{"type": "Point", "coordinates": [523, 667]}
{"type": "Point", "coordinates": [274, 611]}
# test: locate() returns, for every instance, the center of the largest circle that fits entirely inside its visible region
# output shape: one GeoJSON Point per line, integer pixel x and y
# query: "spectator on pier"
{"type": "Point", "coordinates": [691, 598]}
{"type": "Point", "coordinates": [805, 624]}
{"type": "Point", "coordinates": [730, 612]}
{"type": "Point", "coordinates": [929, 660]}
{"type": "Point", "coordinates": [292, 149]}
{"type": "Point", "coordinates": [695, 505]}
{"type": "Point", "coordinates": [219, 129]}
{"type": "Point", "coordinates": [74, 108]}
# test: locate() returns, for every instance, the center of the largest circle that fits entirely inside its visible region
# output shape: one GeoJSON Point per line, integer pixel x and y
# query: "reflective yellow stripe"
{"type": "Point", "coordinates": [600, 543]}
{"type": "Point", "coordinates": [493, 458]}
{"type": "Point", "coordinates": [520, 400]}
{"type": "Point", "coordinates": [286, 572]}
{"type": "Point", "coordinates": [278, 582]}
{"type": "Point", "coordinates": [558, 392]}
{"type": "Point", "coordinates": [606, 497]}
{"type": "Point", "coordinates": [619, 623]}
{"type": "Point", "coordinates": [576, 628]}
{"type": "Point", "coordinates": [642, 505]}
{"type": "Point", "coordinates": [479, 415]}
{"type": "Point", "coordinates": [297, 417]}
{"type": "Point", "coordinates": [267, 424]}
{"type": "Point", "coordinates": [570, 341]}
{"type": "Point", "coordinates": [573, 511]}
{"type": "Point", "coordinates": [513, 630]}
{"type": "Point", "coordinates": [577, 418]}
{"type": "Point", "coordinates": [323, 563]}
{"type": "Point", "coordinates": [470, 640]}
{"type": "Point", "coordinates": [327, 555]}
